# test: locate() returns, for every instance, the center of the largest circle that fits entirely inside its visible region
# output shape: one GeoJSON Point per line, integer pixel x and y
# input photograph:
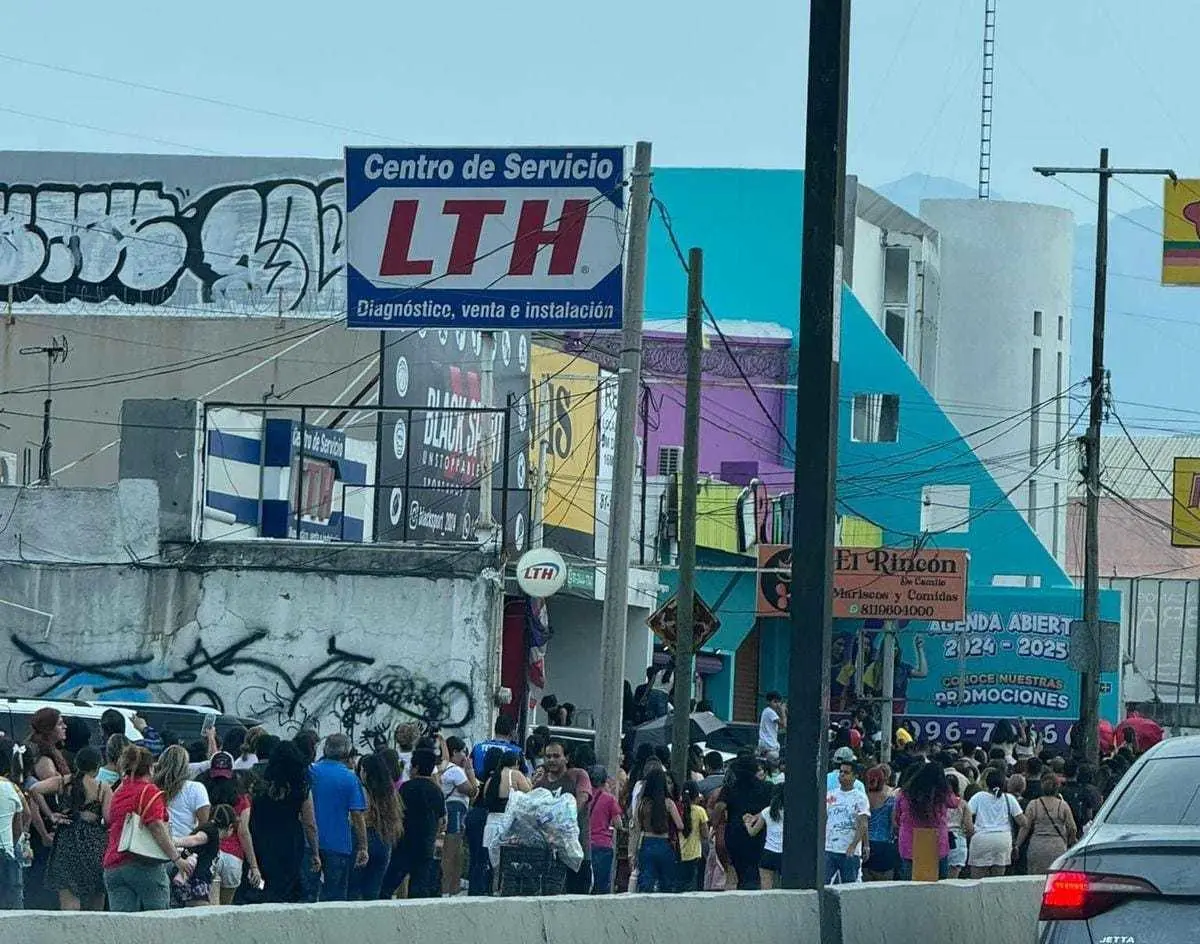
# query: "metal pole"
{"type": "Point", "coordinates": [813, 516]}
{"type": "Point", "coordinates": [613, 628]}
{"type": "Point", "coordinates": [645, 462]}
{"type": "Point", "coordinates": [408, 415]}
{"type": "Point", "coordinates": [888, 688]}
{"type": "Point", "coordinates": [487, 394]}
{"type": "Point", "coordinates": [542, 419]}
{"type": "Point", "coordinates": [505, 458]}
{"type": "Point", "coordinates": [1089, 680]}
{"type": "Point", "coordinates": [377, 496]}
{"type": "Point", "coordinates": [685, 622]}
{"type": "Point", "coordinates": [300, 472]}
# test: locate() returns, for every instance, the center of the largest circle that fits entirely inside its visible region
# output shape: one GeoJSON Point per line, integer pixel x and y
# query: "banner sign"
{"type": "Point", "coordinates": [1009, 658]}
{"type": "Point", "coordinates": [484, 238]}
{"type": "Point", "coordinates": [1181, 233]}
{"type": "Point", "coordinates": [877, 582]}
{"type": "Point", "coordinates": [429, 454]}
{"type": "Point", "coordinates": [566, 391]}
{"type": "Point", "coordinates": [1185, 502]}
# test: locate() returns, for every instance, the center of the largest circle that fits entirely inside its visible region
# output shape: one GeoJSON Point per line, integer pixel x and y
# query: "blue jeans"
{"type": "Point", "coordinates": [479, 874]}
{"type": "Point", "coordinates": [689, 876]}
{"type": "Point", "coordinates": [602, 871]}
{"type": "Point", "coordinates": [656, 865]}
{"type": "Point", "coordinates": [12, 895]}
{"type": "Point", "coordinates": [335, 868]}
{"type": "Point", "coordinates": [366, 882]}
{"type": "Point", "coordinates": [838, 863]}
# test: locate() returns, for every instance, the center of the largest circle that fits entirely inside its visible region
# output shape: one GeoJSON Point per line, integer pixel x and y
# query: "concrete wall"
{"type": "Point", "coordinates": [786, 916]}
{"type": "Point", "coordinates": [84, 525]}
{"type": "Point", "coordinates": [999, 911]}
{"type": "Point", "coordinates": [287, 632]}
{"type": "Point", "coordinates": [1003, 911]}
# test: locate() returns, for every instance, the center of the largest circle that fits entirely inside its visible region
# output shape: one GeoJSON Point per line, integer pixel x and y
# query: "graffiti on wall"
{"type": "Point", "coordinates": [345, 690]}
{"type": "Point", "coordinates": [265, 246]}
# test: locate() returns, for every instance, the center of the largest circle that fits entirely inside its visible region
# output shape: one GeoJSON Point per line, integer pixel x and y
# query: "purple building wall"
{"type": "Point", "coordinates": [734, 433]}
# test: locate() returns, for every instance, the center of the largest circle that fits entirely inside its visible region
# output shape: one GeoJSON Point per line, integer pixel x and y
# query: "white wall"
{"type": "Point", "coordinates": [999, 263]}
{"type": "Point", "coordinates": [284, 646]}
{"type": "Point", "coordinates": [868, 268]}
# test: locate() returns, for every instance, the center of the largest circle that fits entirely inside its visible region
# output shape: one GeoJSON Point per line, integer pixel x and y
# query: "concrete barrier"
{"type": "Point", "coordinates": [723, 918]}
{"type": "Point", "coordinates": [998, 910]}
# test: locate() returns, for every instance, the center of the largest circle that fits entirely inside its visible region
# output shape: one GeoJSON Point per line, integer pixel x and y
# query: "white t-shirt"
{"type": "Point", "coordinates": [768, 729]}
{"type": "Point", "coordinates": [842, 810]}
{"type": "Point", "coordinates": [10, 806]}
{"type": "Point", "coordinates": [992, 813]}
{"type": "Point", "coordinates": [774, 831]}
{"type": "Point", "coordinates": [454, 777]}
{"type": "Point", "coordinates": [182, 810]}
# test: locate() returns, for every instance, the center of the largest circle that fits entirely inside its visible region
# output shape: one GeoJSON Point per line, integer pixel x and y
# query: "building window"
{"type": "Point", "coordinates": [1032, 513]}
{"type": "Point", "coordinates": [946, 509]}
{"type": "Point", "coordinates": [895, 322]}
{"type": "Point", "coordinates": [1058, 411]}
{"type": "Point", "coordinates": [1060, 327]}
{"type": "Point", "coordinates": [895, 276]}
{"type": "Point", "coordinates": [876, 418]}
{"type": "Point", "coordinates": [1035, 409]}
{"type": "Point", "coordinates": [669, 459]}
{"type": "Point", "coordinates": [1037, 323]}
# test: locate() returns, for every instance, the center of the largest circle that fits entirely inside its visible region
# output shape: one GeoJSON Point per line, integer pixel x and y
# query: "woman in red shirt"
{"type": "Point", "coordinates": [135, 883]}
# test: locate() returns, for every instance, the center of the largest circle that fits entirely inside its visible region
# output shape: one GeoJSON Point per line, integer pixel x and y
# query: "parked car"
{"type": "Point", "coordinates": [187, 722]}
{"type": "Point", "coordinates": [1135, 876]}
{"type": "Point", "coordinates": [15, 714]}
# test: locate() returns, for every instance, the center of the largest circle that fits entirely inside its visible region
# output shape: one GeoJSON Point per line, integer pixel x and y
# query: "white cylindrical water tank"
{"type": "Point", "coordinates": [1004, 347]}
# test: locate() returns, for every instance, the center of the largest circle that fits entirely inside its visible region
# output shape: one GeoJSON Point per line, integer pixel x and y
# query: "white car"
{"type": "Point", "coordinates": [15, 715]}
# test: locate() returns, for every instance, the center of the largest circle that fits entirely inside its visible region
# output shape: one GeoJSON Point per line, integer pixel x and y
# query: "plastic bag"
{"type": "Point", "coordinates": [539, 818]}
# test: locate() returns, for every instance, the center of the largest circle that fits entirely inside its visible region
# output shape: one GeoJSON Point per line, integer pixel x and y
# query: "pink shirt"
{"type": "Point", "coordinates": [908, 822]}
{"type": "Point", "coordinates": [605, 811]}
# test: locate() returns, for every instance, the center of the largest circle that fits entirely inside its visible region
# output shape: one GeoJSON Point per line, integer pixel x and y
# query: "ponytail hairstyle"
{"type": "Point", "coordinates": [688, 796]}
{"type": "Point", "coordinates": [85, 763]}
{"type": "Point", "coordinates": [776, 808]}
{"type": "Point", "coordinates": [995, 782]}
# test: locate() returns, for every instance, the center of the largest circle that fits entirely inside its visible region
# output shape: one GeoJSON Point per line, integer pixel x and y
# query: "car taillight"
{"type": "Point", "coordinates": [1077, 896]}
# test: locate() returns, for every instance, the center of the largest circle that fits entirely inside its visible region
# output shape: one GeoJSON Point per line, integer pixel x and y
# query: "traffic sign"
{"type": "Point", "coordinates": [484, 238]}
{"type": "Point", "coordinates": [663, 622]}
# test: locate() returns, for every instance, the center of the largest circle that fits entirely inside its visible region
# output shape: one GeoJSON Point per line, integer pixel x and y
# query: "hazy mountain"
{"type": "Point", "coordinates": [1152, 332]}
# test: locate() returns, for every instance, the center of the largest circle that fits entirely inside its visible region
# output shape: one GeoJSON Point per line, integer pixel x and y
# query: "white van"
{"type": "Point", "coordinates": [15, 715]}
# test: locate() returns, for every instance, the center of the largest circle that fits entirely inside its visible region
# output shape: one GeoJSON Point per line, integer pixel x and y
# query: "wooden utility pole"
{"type": "Point", "coordinates": [685, 608]}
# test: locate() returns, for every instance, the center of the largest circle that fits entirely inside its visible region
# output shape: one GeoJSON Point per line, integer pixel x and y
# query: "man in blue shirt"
{"type": "Point", "coordinates": [505, 729]}
{"type": "Point", "coordinates": [338, 804]}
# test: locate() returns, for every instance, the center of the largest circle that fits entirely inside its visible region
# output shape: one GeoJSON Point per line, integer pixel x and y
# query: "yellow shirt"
{"type": "Point", "coordinates": [689, 846]}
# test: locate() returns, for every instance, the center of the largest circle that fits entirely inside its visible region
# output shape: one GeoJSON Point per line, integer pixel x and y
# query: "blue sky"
{"type": "Point", "coordinates": [710, 84]}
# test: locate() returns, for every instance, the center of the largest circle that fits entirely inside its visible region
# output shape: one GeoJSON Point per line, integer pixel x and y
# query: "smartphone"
{"type": "Point", "coordinates": [210, 722]}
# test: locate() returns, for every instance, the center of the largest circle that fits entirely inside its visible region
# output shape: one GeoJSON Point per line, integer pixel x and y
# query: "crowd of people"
{"type": "Point", "coordinates": [257, 818]}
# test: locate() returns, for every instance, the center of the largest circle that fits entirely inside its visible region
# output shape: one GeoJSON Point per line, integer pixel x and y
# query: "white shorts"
{"type": "Point", "coordinates": [989, 850]}
{"type": "Point", "coordinates": [228, 870]}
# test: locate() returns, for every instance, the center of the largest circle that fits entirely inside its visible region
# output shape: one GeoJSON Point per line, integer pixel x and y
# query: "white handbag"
{"type": "Point", "coordinates": [136, 838]}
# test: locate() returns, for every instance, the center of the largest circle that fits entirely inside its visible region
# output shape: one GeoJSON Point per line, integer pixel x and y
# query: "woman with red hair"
{"type": "Point", "coordinates": [47, 732]}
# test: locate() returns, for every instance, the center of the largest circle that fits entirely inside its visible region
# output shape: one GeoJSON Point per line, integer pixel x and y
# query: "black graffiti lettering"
{"type": "Point", "coordinates": [259, 246]}
{"type": "Point", "coordinates": [349, 688]}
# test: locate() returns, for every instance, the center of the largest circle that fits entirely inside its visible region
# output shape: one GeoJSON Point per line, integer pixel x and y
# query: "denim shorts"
{"type": "Point", "coordinates": [456, 815]}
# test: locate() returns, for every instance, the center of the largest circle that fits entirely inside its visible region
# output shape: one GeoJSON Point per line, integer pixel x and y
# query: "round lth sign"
{"type": "Point", "coordinates": [541, 572]}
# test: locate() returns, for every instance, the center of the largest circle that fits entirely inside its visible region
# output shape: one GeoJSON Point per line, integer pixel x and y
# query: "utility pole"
{"type": "Point", "coordinates": [685, 609]}
{"type": "Point", "coordinates": [57, 350]}
{"type": "Point", "coordinates": [1089, 679]}
{"type": "Point", "coordinates": [614, 625]}
{"type": "Point", "coordinates": [488, 426]}
{"type": "Point", "coordinates": [813, 513]}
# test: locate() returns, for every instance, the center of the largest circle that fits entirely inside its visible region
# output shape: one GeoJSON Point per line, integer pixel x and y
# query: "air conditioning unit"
{"type": "Point", "coordinates": [8, 469]}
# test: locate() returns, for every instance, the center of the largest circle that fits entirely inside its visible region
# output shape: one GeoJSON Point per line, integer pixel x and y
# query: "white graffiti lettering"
{"type": "Point", "coordinates": [259, 247]}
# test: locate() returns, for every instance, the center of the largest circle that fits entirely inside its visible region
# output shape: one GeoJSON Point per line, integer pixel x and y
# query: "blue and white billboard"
{"type": "Point", "coordinates": [485, 238]}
